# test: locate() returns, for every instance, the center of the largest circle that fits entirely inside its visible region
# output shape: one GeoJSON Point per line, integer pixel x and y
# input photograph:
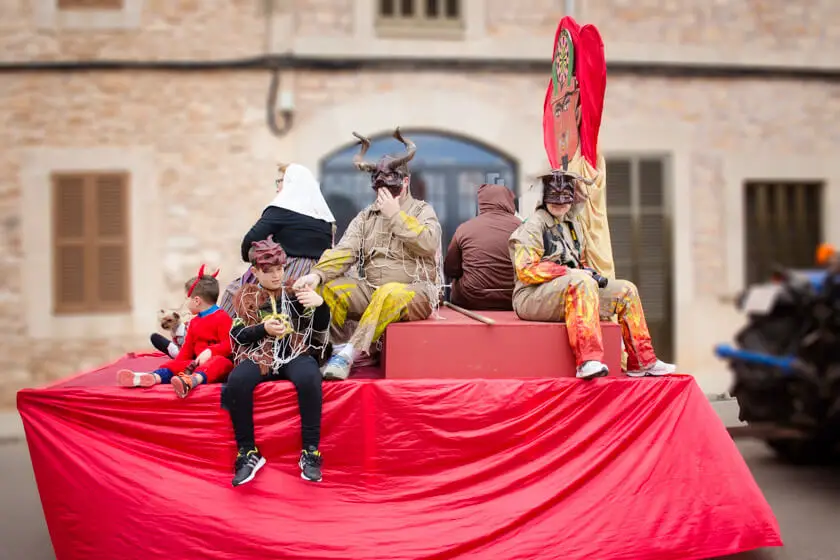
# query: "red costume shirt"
{"type": "Point", "coordinates": [209, 329]}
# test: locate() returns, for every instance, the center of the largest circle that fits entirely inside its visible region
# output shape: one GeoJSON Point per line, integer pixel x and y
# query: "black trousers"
{"type": "Point", "coordinates": [238, 398]}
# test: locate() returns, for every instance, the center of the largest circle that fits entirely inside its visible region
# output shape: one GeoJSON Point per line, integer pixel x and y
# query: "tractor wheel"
{"type": "Point", "coordinates": [812, 451]}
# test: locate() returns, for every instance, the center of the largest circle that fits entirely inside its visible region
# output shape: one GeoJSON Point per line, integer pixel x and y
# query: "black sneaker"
{"type": "Point", "coordinates": [247, 465]}
{"type": "Point", "coordinates": [310, 464]}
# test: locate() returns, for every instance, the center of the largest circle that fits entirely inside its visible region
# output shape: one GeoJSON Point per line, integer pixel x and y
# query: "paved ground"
{"type": "Point", "coordinates": [806, 502]}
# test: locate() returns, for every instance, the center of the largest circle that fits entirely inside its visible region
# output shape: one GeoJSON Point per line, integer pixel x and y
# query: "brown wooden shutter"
{"type": "Point", "coordinates": [91, 243]}
{"type": "Point", "coordinates": [783, 226]}
{"type": "Point", "coordinates": [620, 215]}
{"type": "Point", "coordinates": [90, 4]}
{"type": "Point", "coordinates": [653, 276]}
{"type": "Point", "coordinates": [111, 196]}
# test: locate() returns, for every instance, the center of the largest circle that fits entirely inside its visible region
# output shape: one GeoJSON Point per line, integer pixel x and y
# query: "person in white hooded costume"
{"type": "Point", "coordinates": [298, 218]}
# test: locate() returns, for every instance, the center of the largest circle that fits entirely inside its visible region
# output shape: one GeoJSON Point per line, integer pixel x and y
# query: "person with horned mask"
{"type": "Point", "coordinates": [394, 244]}
{"type": "Point", "coordinates": [554, 282]}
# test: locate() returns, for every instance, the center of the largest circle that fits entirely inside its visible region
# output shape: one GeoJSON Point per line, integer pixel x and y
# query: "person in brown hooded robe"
{"type": "Point", "coordinates": [478, 260]}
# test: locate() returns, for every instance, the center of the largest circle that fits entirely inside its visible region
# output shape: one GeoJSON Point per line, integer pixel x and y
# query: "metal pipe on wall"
{"type": "Point", "coordinates": [390, 64]}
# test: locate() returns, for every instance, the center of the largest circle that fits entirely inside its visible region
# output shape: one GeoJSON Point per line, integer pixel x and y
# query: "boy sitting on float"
{"type": "Point", "coordinates": [273, 335]}
{"type": "Point", "coordinates": [205, 355]}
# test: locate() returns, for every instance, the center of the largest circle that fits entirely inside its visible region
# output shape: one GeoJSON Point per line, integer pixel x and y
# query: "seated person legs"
{"type": "Point", "coordinates": [238, 399]}
{"type": "Point", "coordinates": [172, 372]}
{"type": "Point", "coordinates": [621, 298]}
{"type": "Point", "coordinates": [164, 345]}
{"type": "Point", "coordinates": [375, 309]}
{"type": "Point", "coordinates": [573, 299]}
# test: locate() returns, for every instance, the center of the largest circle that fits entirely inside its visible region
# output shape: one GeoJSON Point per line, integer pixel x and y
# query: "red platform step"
{"type": "Point", "coordinates": [453, 346]}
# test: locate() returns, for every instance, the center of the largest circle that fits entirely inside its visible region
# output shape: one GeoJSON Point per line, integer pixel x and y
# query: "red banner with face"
{"type": "Point", "coordinates": [574, 100]}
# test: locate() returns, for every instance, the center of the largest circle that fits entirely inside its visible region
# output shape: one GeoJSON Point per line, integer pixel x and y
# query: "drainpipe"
{"type": "Point", "coordinates": [286, 109]}
{"type": "Point", "coordinates": [570, 8]}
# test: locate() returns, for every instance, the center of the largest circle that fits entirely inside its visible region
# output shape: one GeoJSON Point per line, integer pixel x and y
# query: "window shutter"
{"type": "Point", "coordinates": [640, 233]}
{"type": "Point", "coordinates": [653, 278]}
{"type": "Point", "coordinates": [90, 243]}
{"type": "Point", "coordinates": [782, 225]}
{"type": "Point", "coordinates": [620, 215]}
{"type": "Point", "coordinates": [69, 242]}
{"type": "Point", "coordinates": [111, 235]}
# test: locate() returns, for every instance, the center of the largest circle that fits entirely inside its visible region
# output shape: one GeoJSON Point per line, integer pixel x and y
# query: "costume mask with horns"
{"type": "Point", "coordinates": [389, 171]}
{"type": "Point", "coordinates": [562, 187]}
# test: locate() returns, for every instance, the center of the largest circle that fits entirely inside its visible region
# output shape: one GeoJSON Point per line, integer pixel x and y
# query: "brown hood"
{"type": "Point", "coordinates": [495, 198]}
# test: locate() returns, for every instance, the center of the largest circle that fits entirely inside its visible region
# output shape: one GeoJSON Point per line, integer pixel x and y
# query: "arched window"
{"type": "Point", "coordinates": [446, 173]}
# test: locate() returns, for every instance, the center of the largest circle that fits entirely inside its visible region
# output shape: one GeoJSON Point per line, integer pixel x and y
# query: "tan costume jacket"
{"type": "Point", "coordinates": [403, 248]}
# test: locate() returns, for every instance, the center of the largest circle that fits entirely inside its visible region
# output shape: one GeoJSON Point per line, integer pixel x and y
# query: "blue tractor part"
{"type": "Point", "coordinates": [815, 276]}
{"type": "Point", "coordinates": [784, 363]}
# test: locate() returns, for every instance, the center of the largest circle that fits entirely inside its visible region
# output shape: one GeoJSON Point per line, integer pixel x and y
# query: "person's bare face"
{"type": "Point", "coordinates": [269, 277]}
{"type": "Point", "coordinates": [558, 210]}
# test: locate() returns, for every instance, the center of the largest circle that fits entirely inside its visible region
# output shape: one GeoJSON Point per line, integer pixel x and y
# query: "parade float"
{"type": "Point", "coordinates": [471, 439]}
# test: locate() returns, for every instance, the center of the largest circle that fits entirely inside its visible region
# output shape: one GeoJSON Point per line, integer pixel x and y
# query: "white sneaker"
{"type": "Point", "coordinates": [658, 369]}
{"type": "Point", "coordinates": [128, 378]}
{"type": "Point", "coordinates": [591, 370]}
{"type": "Point", "coordinates": [338, 368]}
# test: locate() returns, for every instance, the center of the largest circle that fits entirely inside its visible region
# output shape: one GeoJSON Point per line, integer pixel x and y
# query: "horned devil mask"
{"type": "Point", "coordinates": [389, 171]}
{"type": "Point", "coordinates": [561, 187]}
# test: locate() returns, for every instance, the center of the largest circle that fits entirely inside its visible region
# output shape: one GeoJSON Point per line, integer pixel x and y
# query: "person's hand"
{"type": "Point", "coordinates": [274, 327]}
{"type": "Point", "coordinates": [386, 203]}
{"type": "Point", "coordinates": [306, 282]}
{"type": "Point", "coordinates": [203, 357]}
{"type": "Point", "coordinates": [309, 298]}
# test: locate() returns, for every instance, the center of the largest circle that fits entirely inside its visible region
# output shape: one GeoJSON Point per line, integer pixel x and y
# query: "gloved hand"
{"type": "Point", "coordinates": [602, 280]}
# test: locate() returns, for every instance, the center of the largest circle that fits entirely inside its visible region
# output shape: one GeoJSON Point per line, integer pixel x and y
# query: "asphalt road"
{"type": "Point", "coordinates": [806, 502]}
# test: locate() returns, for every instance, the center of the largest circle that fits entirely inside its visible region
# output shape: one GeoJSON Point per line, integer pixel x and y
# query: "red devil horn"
{"type": "Point", "coordinates": [215, 274]}
{"type": "Point", "coordinates": [200, 272]}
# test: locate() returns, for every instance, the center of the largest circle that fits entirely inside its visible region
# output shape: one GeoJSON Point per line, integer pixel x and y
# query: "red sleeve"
{"type": "Point", "coordinates": [221, 329]}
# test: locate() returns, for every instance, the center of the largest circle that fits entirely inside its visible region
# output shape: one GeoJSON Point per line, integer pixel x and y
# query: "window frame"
{"type": "Point", "coordinates": [419, 25]}
{"type": "Point", "coordinates": [91, 242]}
{"type": "Point", "coordinates": [73, 5]}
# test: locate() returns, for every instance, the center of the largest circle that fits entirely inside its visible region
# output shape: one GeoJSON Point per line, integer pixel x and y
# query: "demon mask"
{"type": "Point", "coordinates": [562, 187]}
{"type": "Point", "coordinates": [389, 171]}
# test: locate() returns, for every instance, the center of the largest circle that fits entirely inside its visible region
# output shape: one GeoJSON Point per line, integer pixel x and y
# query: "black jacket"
{"type": "Point", "coordinates": [298, 234]}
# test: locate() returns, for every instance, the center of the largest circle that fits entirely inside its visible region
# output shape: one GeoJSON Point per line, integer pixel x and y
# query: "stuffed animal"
{"type": "Point", "coordinates": [177, 329]}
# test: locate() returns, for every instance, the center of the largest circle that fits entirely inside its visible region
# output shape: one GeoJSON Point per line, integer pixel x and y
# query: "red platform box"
{"type": "Point", "coordinates": [453, 346]}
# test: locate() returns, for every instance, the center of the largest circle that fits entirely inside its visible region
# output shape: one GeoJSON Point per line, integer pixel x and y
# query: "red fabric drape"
{"type": "Point", "coordinates": [435, 469]}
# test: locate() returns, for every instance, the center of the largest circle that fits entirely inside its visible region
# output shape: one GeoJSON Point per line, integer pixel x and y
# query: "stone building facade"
{"type": "Point", "coordinates": [201, 159]}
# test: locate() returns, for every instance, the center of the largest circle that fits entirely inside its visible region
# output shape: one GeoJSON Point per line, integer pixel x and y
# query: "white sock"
{"type": "Point", "coordinates": [172, 350]}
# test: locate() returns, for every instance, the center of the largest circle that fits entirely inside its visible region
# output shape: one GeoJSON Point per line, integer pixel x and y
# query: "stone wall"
{"type": "Point", "coordinates": [214, 157]}
{"type": "Point", "coordinates": [220, 29]}
{"type": "Point", "coordinates": [215, 161]}
{"type": "Point", "coordinates": [807, 25]}
{"type": "Point", "coordinates": [191, 29]}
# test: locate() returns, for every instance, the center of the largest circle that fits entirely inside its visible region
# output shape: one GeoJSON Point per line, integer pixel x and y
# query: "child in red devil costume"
{"type": "Point", "coordinates": [205, 355]}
